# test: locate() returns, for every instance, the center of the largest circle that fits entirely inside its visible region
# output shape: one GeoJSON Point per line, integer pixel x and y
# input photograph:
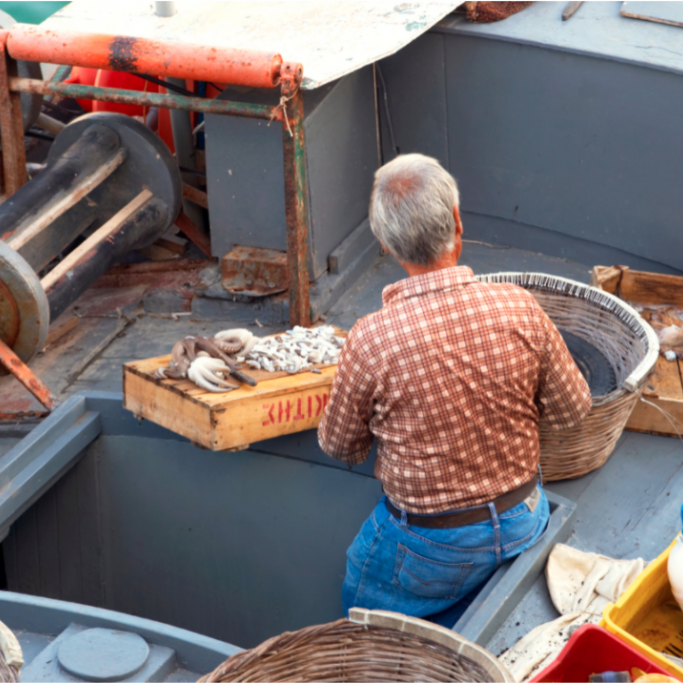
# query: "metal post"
{"type": "Point", "coordinates": [11, 125]}
{"type": "Point", "coordinates": [21, 371]}
{"type": "Point", "coordinates": [296, 205]}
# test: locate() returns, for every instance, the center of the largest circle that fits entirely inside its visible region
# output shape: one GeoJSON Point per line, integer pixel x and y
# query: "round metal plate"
{"type": "Point", "coordinates": [150, 164]}
{"type": "Point", "coordinates": [23, 286]}
{"type": "Point", "coordinates": [101, 654]}
{"type": "Point", "coordinates": [593, 364]}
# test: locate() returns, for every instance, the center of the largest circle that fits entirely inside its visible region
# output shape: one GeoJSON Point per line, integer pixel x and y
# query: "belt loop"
{"type": "Point", "coordinates": [496, 532]}
{"type": "Point", "coordinates": [404, 519]}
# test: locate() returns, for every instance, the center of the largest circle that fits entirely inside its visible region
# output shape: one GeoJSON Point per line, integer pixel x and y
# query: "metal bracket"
{"type": "Point", "coordinates": [22, 372]}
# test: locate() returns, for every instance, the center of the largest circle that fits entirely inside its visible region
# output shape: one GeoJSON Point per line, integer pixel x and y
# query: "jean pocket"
{"type": "Point", "coordinates": [428, 578]}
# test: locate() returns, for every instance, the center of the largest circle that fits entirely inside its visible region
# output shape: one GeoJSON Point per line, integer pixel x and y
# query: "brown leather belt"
{"type": "Point", "coordinates": [451, 520]}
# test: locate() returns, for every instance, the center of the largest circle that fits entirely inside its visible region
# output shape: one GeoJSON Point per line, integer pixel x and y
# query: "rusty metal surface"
{"type": "Point", "coordinates": [165, 101]}
{"type": "Point", "coordinates": [34, 314]}
{"type": "Point", "coordinates": [296, 210]}
{"type": "Point", "coordinates": [11, 125]}
{"type": "Point", "coordinates": [17, 367]}
{"type": "Point", "coordinates": [253, 271]}
{"type": "Point", "coordinates": [201, 62]}
{"type": "Point", "coordinates": [9, 316]}
{"type": "Point", "coordinates": [195, 234]}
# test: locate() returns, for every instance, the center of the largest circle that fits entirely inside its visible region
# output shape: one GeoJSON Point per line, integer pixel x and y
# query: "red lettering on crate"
{"type": "Point", "coordinates": [281, 411]}
{"type": "Point", "coordinates": [321, 403]}
{"type": "Point", "coordinates": [270, 407]}
{"type": "Point", "coordinates": [285, 411]}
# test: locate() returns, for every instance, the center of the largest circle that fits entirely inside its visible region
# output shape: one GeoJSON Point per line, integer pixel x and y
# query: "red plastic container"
{"type": "Point", "coordinates": [592, 650]}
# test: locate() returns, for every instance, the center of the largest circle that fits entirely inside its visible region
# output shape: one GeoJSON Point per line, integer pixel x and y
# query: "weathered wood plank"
{"type": "Point", "coordinates": [101, 234]}
{"type": "Point", "coordinates": [665, 391]}
{"type": "Point", "coordinates": [606, 278]}
{"type": "Point", "coordinates": [651, 288]}
{"type": "Point", "coordinates": [168, 408]}
{"type": "Point", "coordinates": [670, 13]}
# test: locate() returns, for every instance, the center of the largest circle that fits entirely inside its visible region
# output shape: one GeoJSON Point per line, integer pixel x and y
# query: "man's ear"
{"type": "Point", "coordinates": [384, 249]}
{"type": "Point", "coordinates": [458, 222]}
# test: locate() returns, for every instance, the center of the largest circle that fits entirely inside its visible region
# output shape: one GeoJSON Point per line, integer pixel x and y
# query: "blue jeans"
{"type": "Point", "coordinates": [425, 572]}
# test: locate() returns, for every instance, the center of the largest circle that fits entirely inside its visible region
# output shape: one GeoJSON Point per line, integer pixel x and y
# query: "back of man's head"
{"type": "Point", "coordinates": [411, 209]}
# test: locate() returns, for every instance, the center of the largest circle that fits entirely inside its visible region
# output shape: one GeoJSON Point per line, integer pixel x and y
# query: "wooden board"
{"type": "Point", "coordinates": [660, 12]}
{"type": "Point", "coordinates": [639, 286]}
{"type": "Point", "coordinates": [279, 404]}
{"type": "Point", "coordinates": [661, 410]}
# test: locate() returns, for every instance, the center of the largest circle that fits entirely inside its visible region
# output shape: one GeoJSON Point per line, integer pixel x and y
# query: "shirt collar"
{"type": "Point", "coordinates": [438, 280]}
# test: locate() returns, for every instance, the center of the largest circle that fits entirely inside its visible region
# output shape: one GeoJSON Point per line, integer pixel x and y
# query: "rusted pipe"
{"type": "Point", "coordinates": [166, 101]}
{"type": "Point", "coordinates": [20, 370]}
{"type": "Point", "coordinates": [296, 211]}
{"type": "Point", "coordinates": [11, 126]}
{"type": "Point", "coordinates": [144, 55]}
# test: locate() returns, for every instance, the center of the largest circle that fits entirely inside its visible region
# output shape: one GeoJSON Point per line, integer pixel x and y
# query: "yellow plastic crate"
{"type": "Point", "coordinates": [648, 618]}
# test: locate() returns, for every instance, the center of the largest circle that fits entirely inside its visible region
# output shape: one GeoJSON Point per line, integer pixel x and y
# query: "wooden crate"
{"type": "Point", "coordinates": [278, 404]}
{"type": "Point", "coordinates": [665, 387]}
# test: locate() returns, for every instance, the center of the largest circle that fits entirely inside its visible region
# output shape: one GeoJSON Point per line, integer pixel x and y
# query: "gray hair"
{"type": "Point", "coordinates": [411, 209]}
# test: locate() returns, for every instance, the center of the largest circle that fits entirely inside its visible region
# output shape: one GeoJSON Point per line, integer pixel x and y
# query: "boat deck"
{"type": "Point", "coordinates": [628, 508]}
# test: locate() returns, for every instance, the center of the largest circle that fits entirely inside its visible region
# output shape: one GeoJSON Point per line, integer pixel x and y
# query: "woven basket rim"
{"type": "Point", "coordinates": [629, 315]}
{"type": "Point", "coordinates": [281, 654]}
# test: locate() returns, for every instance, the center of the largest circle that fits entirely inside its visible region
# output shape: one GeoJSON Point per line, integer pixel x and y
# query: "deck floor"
{"type": "Point", "coordinates": [629, 508]}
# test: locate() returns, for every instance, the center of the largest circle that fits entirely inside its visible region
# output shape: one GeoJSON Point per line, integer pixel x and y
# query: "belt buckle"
{"type": "Point", "coordinates": [532, 500]}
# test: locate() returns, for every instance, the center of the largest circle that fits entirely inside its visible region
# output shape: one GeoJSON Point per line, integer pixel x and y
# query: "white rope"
{"type": "Point", "coordinates": [668, 416]}
{"type": "Point", "coordinates": [282, 105]}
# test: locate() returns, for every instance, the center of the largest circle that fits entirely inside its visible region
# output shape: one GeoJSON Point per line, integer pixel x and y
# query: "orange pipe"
{"type": "Point", "coordinates": [143, 55]}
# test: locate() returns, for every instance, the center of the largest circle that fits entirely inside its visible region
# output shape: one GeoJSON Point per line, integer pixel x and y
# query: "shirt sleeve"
{"type": "Point", "coordinates": [344, 432]}
{"type": "Point", "coordinates": [563, 396]}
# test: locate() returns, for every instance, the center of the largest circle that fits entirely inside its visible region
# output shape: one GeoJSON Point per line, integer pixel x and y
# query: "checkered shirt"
{"type": "Point", "coordinates": [452, 377]}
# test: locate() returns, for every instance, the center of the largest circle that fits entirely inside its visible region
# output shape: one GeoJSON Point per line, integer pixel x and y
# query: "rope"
{"type": "Point", "coordinates": [668, 416]}
{"type": "Point", "coordinates": [283, 102]}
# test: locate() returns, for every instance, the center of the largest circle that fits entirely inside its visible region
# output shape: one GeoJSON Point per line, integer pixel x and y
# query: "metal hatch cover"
{"type": "Point", "coordinates": [330, 39]}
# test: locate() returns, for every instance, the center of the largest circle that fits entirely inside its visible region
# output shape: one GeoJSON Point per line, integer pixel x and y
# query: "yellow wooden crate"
{"type": "Point", "coordinates": [647, 617]}
{"type": "Point", "coordinates": [279, 404]}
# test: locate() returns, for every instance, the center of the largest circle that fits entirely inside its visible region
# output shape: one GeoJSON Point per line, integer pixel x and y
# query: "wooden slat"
{"type": "Point", "coordinates": [271, 414]}
{"type": "Point", "coordinates": [62, 204]}
{"type": "Point", "coordinates": [652, 288]}
{"type": "Point", "coordinates": [670, 13]}
{"type": "Point", "coordinates": [606, 278]}
{"type": "Point", "coordinates": [665, 390]}
{"type": "Point", "coordinates": [176, 412]}
{"type": "Point", "coordinates": [101, 234]}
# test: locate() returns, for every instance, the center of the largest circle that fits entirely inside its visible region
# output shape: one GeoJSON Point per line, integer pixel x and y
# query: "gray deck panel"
{"type": "Point", "coordinates": [597, 29]}
{"type": "Point", "coordinates": [629, 508]}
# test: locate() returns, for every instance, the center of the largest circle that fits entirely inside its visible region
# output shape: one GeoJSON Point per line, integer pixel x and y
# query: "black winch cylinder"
{"type": "Point", "coordinates": [134, 233]}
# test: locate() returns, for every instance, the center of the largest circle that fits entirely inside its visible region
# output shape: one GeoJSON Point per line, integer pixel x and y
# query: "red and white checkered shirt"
{"type": "Point", "coordinates": [452, 377]}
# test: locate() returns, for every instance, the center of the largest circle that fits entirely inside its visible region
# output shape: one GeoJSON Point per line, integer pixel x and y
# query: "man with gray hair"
{"type": "Point", "coordinates": [452, 377]}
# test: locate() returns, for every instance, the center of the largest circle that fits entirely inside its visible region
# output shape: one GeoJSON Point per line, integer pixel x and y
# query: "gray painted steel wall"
{"type": "Point", "coordinates": [238, 546]}
{"type": "Point", "coordinates": [563, 153]}
{"type": "Point", "coordinates": [245, 175]}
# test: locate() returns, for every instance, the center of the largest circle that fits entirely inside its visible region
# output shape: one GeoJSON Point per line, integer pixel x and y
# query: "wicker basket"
{"type": "Point", "coordinates": [371, 646]}
{"type": "Point", "coordinates": [627, 341]}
